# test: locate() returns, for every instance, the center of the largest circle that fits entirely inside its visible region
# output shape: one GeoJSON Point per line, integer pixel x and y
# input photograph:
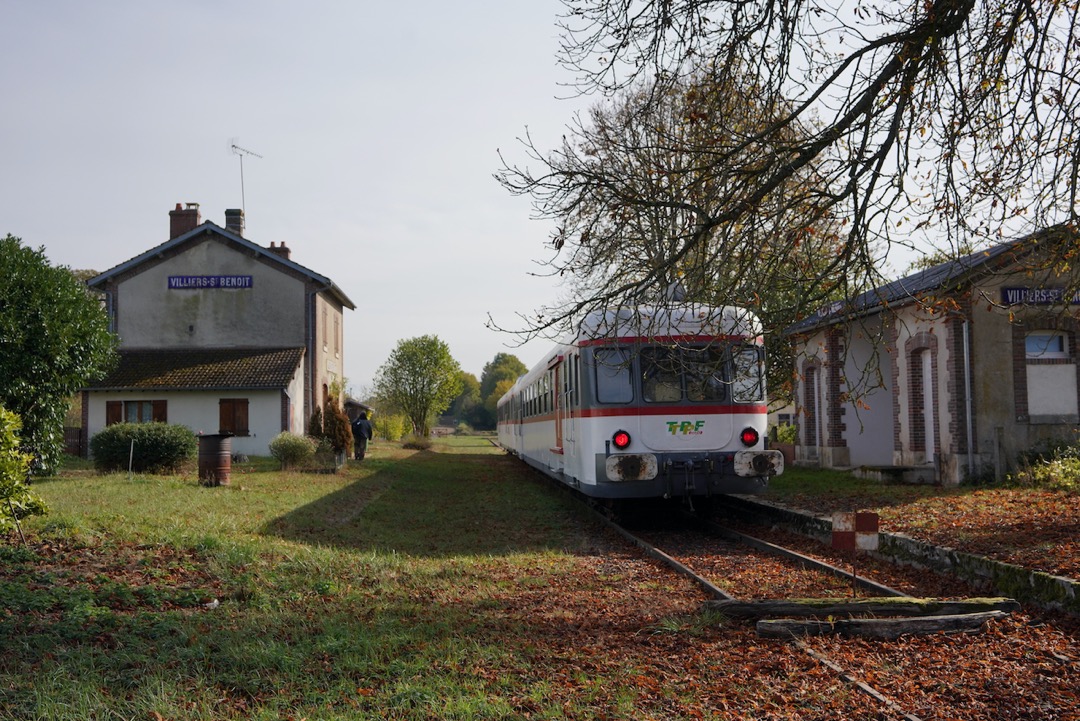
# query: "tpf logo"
{"type": "Point", "coordinates": [685, 428]}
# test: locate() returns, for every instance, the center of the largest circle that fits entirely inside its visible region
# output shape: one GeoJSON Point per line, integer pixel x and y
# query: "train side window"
{"type": "Point", "coordinates": [661, 381]}
{"type": "Point", "coordinates": [613, 379]}
{"type": "Point", "coordinates": [748, 380]}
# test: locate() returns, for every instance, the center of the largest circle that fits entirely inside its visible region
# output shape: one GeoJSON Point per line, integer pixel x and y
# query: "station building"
{"type": "Point", "coordinates": [948, 373]}
{"type": "Point", "coordinates": [218, 334]}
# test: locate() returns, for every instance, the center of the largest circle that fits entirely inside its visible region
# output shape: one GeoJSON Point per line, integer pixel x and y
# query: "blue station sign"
{"type": "Point", "coordinates": [202, 282]}
{"type": "Point", "coordinates": [1039, 296]}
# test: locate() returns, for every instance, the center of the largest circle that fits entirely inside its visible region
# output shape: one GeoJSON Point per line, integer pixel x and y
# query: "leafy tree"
{"type": "Point", "coordinates": [491, 403]}
{"type": "Point", "coordinates": [468, 399]}
{"type": "Point", "coordinates": [421, 379]}
{"type": "Point", "coordinates": [54, 339]}
{"type": "Point", "coordinates": [918, 123]}
{"type": "Point", "coordinates": [504, 366]}
{"type": "Point", "coordinates": [16, 500]}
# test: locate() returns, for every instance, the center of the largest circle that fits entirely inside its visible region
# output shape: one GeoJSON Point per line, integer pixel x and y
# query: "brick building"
{"type": "Point", "coordinates": [949, 372]}
{"type": "Point", "coordinates": [218, 334]}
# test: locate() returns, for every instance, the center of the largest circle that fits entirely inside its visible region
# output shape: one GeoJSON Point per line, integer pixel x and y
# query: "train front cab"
{"type": "Point", "coordinates": [673, 422]}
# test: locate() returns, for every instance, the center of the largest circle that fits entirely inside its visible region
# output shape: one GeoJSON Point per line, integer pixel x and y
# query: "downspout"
{"type": "Point", "coordinates": [967, 397]}
{"type": "Point", "coordinates": [310, 375]}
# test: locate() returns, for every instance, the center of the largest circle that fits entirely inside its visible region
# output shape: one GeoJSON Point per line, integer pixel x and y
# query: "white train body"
{"type": "Point", "coordinates": [648, 402]}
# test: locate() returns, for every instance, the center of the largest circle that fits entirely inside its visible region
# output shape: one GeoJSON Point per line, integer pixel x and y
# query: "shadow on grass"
{"type": "Point", "coordinates": [437, 504]}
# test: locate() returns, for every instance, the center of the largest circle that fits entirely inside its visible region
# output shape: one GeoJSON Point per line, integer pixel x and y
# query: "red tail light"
{"type": "Point", "coordinates": [621, 439]}
{"type": "Point", "coordinates": [749, 437]}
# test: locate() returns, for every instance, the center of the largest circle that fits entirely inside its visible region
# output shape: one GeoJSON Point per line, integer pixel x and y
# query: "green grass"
{"type": "Point", "coordinates": [339, 596]}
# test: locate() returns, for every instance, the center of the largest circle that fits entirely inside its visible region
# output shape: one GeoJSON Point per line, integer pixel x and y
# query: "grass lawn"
{"type": "Point", "coordinates": [441, 584]}
{"type": "Point", "coordinates": [283, 595]}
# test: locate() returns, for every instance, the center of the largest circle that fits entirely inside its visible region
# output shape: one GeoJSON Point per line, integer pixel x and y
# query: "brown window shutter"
{"type": "Point", "coordinates": [225, 415]}
{"type": "Point", "coordinates": [160, 411]}
{"type": "Point", "coordinates": [241, 417]}
{"type": "Point", "coordinates": [114, 412]}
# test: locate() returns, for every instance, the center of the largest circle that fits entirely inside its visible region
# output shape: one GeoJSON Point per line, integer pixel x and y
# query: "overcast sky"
{"type": "Point", "coordinates": [378, 123]}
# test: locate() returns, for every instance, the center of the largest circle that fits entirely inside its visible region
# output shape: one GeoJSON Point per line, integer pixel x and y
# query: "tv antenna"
{"type": "Point", "coordinates": [241, 152]}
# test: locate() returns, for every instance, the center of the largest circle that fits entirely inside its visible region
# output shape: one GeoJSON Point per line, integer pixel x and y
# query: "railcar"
{"type": "Point", "coordinates": [648, 403]}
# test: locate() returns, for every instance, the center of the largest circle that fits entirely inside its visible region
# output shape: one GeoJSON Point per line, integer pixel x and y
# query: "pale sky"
{"type": "Point", "coordinates": [378, 124]}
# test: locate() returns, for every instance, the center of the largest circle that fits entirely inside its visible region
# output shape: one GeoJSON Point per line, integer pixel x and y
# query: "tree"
{"type": "Point", "coordinates": [463, 407]}
{"type": "Point", "coordinates": [503, 369]}
{"type": "Point", "coordinates": [54, 339]}
{"type": "Point", "coordinates": [491, 403]}
{"type": "Point", "coordinates": [504, 366]}
{"type": "Point", "coordinates": [633, 191]}
{"type": "Point", "coordinates": [917, 123]}
{"type": "Point", "coordinates": [421, 379]}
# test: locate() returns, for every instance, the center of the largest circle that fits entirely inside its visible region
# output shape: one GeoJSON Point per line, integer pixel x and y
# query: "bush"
{"type": "Point", "coordinates": [786, 433]}
{"type": "Point", "coordinates": [16, 500]}
{"type": "Point", "coordinates": [292, 450]}
{"type": "Point", "coordinates": [336, 428]}
{"type": "Point", "coordinates": [463, 429]}
{"type": "Point", "coordinates": [158, 447]}
{"type": "Point", "coordinates": [389, 427]}
{"type": "Point", "coordinates": [417, 443]}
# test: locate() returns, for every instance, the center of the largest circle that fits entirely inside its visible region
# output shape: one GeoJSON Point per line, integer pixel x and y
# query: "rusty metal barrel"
{"type": "Point", "coordinates": [215, 459]}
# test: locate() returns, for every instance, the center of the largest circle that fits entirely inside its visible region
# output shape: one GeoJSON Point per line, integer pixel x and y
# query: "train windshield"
{"type": "Point", "coordinates": [711, 374]}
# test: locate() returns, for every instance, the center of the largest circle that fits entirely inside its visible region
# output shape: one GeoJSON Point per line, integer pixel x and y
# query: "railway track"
{"type": "Point", "coordinates": [720, 560]}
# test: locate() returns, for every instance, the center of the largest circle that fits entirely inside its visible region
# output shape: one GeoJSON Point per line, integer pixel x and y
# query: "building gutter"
{"type": "Point", "coordinates": [967, 397]}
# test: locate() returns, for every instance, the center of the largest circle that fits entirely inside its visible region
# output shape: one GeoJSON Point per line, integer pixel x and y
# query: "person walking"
{"type": "Point", "coordinates": [361, 432]}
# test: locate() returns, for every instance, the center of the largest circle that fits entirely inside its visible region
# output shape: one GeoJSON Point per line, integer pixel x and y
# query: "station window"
{"type": "Point", "coordinates": [1045, 345]}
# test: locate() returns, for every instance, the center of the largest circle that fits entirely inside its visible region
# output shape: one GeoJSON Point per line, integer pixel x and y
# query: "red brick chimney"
{"type": "Point", "coordinates": [183, 220]}
{"type": "Point", "coordinates": [280, 250]}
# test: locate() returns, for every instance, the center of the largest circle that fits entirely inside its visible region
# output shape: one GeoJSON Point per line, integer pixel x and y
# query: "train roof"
{"type": "Point", "coordinates": [664, 322]}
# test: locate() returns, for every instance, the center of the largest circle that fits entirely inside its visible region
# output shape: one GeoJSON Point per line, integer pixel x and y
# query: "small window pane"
{"type": "Point", "coordinates": [1045, 345]}
{"type": "Point", "coordinates": [613, 380]}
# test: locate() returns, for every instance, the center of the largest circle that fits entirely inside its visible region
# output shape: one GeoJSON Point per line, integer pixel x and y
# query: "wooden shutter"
{"type": "Point", "coordinates": [225, 415]}
{"type": "Point", "coordinates": [160, 411]}
{"type": "Point", "coordinates": [233, 416]}
{"type": "Point", "coordinates": [240, 417]}
{"type": "Point", "coordinates": [114, 412]}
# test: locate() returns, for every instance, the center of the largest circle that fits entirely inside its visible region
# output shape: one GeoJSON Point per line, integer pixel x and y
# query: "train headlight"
{"type": "Point", "coordinates": [621, 439]}
{"type": "Point", "coordinates": [749, 437]}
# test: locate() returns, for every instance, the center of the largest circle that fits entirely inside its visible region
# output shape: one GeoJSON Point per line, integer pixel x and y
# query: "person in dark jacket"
{"type": "Point", "coordinates": [361, 433]}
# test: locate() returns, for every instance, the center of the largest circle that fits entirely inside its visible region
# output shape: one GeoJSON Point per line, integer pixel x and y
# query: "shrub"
{"type": "Point", "coordinates": [16, 500]}
{"type": "Point", "coordinates": [1059, 473]}
{"type": "Point", "coordinates": [389, 427]}
{"type": "Point", "coordinates": [315, 424]}
{"type": "Point", "coordinates": [417, 443]}
{"type": "Point", "coordinates": [336, 428]}
{"type": "Point", "coordinates": [158, 447]}
{"type": "Point", "coordinates": [786, 433]}
{"type": "Point", "coordinates": [292, 450]}
{"type": "Point", "coordinates": [463, 429]}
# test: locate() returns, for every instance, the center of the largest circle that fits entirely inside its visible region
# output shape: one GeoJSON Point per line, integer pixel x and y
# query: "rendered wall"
{"type": "Point", "coordinates": [198, 410]}
{"type": "Point", "coordinates": [269, 314]}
